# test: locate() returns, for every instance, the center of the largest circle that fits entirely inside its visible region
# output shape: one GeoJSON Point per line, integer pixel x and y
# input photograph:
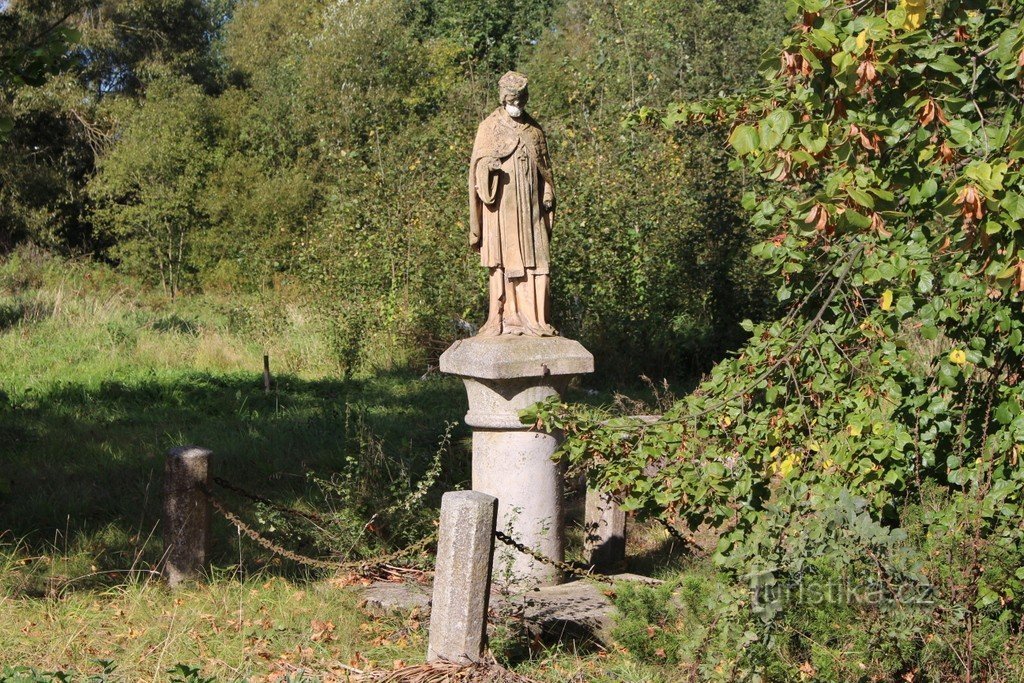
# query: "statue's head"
{"type": "Point", "coordinates": [513, 93]}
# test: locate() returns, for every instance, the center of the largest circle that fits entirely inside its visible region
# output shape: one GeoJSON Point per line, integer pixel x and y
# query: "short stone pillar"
{"type": "Point", "coordinates": [604, 532]}
{"type": "Point", "coordinates": [503, 376]}
{"type": "Point", "coordinates": [186, 514]}
{"type": "Point", "coordinates": [462, 577]}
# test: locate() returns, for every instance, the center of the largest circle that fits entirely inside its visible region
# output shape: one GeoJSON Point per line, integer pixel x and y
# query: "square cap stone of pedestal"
{"type": "Point", "coordinates": [509, 357]}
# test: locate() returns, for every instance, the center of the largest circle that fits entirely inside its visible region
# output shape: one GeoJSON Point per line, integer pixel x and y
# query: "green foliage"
{"type": "Point", "coordinates": [28, 60]}
{"type": "Point", "coordinates": [647, 622]}
{"type": "Point", "coordinates": [101, 51]}
{"type": "Point", "coordinates": [125, 43]}
{"type": "Point", "coordinates": [247, 146]}
{"type": "Point", "coordinates": [149, 188]}
{"type": "Point", "coordinates": [32, 53]}
{"type": "Point", "coordinates": [25, 674]}
{"type": "Point", "coordinates": [652, 249]}
{"type": "Point", "coordinates": [889, 143]}
{"type": "Point", "coordinates": [492, 33]}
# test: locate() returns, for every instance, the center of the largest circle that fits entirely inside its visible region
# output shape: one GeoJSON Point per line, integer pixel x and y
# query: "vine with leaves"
{"type": "Point", "coordinates": [888, 138]}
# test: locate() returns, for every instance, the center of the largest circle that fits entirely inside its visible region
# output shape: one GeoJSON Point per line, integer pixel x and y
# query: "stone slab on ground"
{"type": "Point", "coordinates": [577, 611]}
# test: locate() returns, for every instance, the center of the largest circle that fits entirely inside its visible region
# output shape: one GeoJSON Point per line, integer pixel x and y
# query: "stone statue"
{"type": "Point", "coordinates": [511, 207]}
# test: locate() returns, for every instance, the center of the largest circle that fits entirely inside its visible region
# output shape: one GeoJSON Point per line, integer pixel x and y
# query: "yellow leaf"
{"type": "Point", "coordinates": [862, 39]}
{"type": "Point", "coordinates": [887, 300]}
{"type": "Point", "coordinates": [787, 464]}
{"type": "Point", "coordinates": [917, 10]}
{"type": "Point", "coordinates": [958, 357]}
{"type": "Point", "coordinates": [855, 430]}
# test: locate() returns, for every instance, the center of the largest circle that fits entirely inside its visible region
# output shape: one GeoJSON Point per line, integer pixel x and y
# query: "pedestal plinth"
{"type": "Point", "coordinates": [504, 375]}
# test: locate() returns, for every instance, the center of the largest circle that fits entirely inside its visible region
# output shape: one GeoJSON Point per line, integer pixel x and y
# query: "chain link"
{"type": "Point", "coordinates": [682, 538]}
{"type": "Point", "coordinates": [257, 498]}
{"type": "Point", "coordinates": [365, 565]}
{"type": "Point", "coordinates": [564, 566]}
{"type": "Point", "coordinates": [335, 565]}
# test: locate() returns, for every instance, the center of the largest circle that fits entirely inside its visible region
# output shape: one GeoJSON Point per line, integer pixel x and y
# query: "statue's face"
{"type": "Point", "coordinates": [514, 102]}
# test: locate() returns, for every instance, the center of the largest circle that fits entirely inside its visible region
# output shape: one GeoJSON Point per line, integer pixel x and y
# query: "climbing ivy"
{"type": "Point", "coordinates": [889, 138]}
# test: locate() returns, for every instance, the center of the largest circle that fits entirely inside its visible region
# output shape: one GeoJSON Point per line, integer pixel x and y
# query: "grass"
{"type": "Point", "coordinates": [96, 384]}
{"type": "Point", "coordinates": [98, 379]}
{"type": "Point", "coordinates": [252, 629]}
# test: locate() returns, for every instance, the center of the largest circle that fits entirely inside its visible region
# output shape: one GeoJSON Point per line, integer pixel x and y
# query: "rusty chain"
{"type": "Point", "coordinates": [364, 565]}
{"type": "Point", "coordinates": [335, 565]}
{"type": "Point", "coordinates": [681, 537]}
{"type": "Point", "coordinates": [257, 498]}
{"type": "Point", "coordinates": [540, 557]}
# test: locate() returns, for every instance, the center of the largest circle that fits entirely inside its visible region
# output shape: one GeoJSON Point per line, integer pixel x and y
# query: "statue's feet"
{"type": "Point", "coordinates": [513, 324]}
{"type": "Point", "coordinates": [492, 328]}
{"type": "Point", "coordinates": [541, 330]}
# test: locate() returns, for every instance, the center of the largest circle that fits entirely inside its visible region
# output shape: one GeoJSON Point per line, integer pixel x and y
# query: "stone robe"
{"type": "Point", "coordinates": [507, 220]}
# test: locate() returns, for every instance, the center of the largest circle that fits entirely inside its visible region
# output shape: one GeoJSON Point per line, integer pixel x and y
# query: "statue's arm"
{"type": "Point", "coordinates": [486, 171]}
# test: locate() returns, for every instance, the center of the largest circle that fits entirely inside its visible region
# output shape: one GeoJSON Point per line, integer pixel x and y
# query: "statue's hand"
{"type": "Point", "coordinates": [548, 202]}
{"type": "Point", "coordinates": [494, 164]}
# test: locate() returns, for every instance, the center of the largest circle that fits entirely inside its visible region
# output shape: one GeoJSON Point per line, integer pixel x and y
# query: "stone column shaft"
{"type": "Point", "coordinates": [186, 514]}
{"type": "Point", "coordinates": [462, 577]}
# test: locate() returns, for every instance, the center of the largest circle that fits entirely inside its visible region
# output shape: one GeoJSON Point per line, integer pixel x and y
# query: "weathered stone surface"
{"type": "Point", "coordinates": [516, 467]}
{"type": "Point", "coordinates": [575, 611]}
{"type": "Point", "coordinates": [511, 211]}
{"type": "Point", "coordinates": [465, 549]}
{"type": "Point", "coordinates": [509, 357]}
{"type": "Point", "coordinates": [186, 514]}
{"type": "Point", "coordinates": [604, 532]}
{"type": "Point", "coordinates": [503, 376]}
{"type": "Point", "coordinates": [386, 597]}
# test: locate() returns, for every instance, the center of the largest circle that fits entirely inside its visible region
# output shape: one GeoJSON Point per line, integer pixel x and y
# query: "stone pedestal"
{"type": "Point", "coordinates": [503, 376]}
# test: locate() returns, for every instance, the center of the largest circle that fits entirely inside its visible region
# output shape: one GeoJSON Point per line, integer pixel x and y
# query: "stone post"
{"type": "Point", "coordinates": [462, 577]}
{"type": "Point", "coordinates": [186, 514]}
{"type": "Point", "coordinates": [604, 528]}
{"type": "Point", "coordinates": [503, 376]}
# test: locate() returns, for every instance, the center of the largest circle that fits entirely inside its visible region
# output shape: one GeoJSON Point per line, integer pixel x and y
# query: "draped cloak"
{"type": "Point", "coordinates": [507, 220]}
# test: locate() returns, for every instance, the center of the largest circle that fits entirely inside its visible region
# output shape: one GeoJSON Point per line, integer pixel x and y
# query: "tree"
{"type": "Point", "coordinates": [148, 188]}
{"type": "Point", "coordinates": [32, 54]}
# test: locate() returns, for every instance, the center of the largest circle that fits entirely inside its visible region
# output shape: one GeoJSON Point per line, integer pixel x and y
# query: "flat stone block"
{"type": "Point", "coordinates": [575, 611]}
{"type": "Point", "coordinates": [512, 357]}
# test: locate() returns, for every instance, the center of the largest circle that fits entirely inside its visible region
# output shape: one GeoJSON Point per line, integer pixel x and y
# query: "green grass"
{"type": "Point", "coordinates": [98, 379]}
{"type": "Point", "coordinates": [96, 384]}
{"type": "Point", "coordinates": [231, 629]}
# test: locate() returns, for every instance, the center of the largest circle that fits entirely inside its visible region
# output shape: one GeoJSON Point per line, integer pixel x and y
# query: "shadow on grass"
{"type": "Point", "coordinates": [81, 466]}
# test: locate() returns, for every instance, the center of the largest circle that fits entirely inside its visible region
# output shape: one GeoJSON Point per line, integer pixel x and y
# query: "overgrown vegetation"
{"type": "Point", "coordinates": [97, 384]}
{"type": "Point", "coordinates": [223, 147]}
{"type": "Point", "coordinates": [868, 441]}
